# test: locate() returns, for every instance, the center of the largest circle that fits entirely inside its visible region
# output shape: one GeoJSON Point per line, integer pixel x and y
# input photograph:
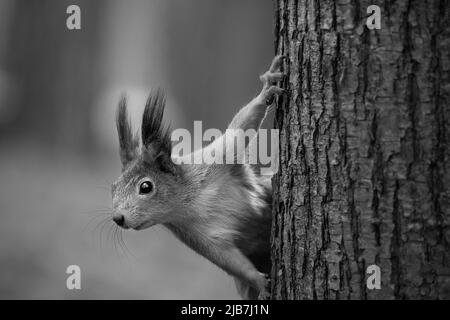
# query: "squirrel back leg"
{"type": "Point", "coordinates": [246, 291]}
{"type": "Point", "coordinates": [235, 263]}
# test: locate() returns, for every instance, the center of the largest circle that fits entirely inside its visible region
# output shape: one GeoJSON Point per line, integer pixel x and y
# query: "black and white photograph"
{"type": "Point", "coordinates": [236, 150]}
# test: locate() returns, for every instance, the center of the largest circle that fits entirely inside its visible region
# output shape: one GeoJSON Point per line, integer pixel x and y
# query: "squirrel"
{"type": "Point", "coordinates": [221, 211]}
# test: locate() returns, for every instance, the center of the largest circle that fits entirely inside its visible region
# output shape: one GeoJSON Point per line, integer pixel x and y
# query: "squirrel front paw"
{"type": "Point", "coordinates": [269, 80]}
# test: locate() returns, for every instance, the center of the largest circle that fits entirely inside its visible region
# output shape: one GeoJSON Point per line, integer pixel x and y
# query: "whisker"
{"type": "Point", "coordinates": [109, 234]}
{"type": "Point", "coordinates": [97, 213]}
{"type": "Point", "coordinates": [100, 223]}
{"type": "Point", "coordinates": [114, 240]}
{"type": "Point", "coordinates": [92, 219]}
{"type": "Point", "coordinates": [103, 210]}
{"type": "Point", "coordinates": [117, 246]}
{"type": "Point", "coordinates": [102, 228]}
{"type": "Point", "coordinates": [125, 248]}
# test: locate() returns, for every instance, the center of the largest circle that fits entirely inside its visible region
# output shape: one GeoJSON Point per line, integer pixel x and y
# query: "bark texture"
{"type": "Point", "coordinates": [364, 174]}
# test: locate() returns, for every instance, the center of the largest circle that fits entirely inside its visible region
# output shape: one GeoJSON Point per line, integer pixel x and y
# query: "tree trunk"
{"type": "Point", "coordinates": [364, 175]}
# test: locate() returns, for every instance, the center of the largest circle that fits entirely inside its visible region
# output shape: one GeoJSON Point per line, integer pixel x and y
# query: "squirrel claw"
{"type": "Point", "coordinates": [268, 95]}
{"type": "Point", "coordinates": [269, 79]}
{"type": "Point", "coordinates": [264, 293]}
{"type": "Point", "coordinates": [276, 63]}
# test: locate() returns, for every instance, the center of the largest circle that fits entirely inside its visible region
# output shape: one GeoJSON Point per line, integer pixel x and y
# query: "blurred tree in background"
{"type": "Point", "coordinates": [60, 86]}
{"type": "Point", "coordinates": [54, 72]}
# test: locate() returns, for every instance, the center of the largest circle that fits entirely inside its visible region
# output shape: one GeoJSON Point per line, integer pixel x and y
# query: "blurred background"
{"type": "Point", "coordinates": [58, 146]}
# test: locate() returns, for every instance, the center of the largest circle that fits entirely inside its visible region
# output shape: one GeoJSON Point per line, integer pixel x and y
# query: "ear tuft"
{"type": "Point", "coordinates": [127, 142]}
{"type": "Point", "coordinates": [155, 136]}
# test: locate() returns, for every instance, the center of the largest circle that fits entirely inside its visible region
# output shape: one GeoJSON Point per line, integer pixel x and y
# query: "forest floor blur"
{"type": "Point", "coordinates": [49, 204]}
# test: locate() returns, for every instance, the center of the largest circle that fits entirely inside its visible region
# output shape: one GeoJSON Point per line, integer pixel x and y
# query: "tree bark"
{"type": "Point", "coordinates": [364, 175]}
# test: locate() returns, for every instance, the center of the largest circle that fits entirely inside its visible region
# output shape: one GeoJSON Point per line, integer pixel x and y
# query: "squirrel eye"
{"type": "Point", "coordinates": [145, 187]}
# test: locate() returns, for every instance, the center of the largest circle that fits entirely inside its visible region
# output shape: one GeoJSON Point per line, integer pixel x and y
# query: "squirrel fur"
{"type": "Point", "coordinates": [221, 211]}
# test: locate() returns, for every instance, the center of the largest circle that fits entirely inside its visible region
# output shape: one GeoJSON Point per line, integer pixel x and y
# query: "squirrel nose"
{"type": "Point", "coordinates": [119, 219]}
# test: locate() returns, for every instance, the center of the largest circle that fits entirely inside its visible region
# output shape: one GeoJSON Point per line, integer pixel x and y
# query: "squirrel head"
{"type": "Point", "coordinates": [148, 189]}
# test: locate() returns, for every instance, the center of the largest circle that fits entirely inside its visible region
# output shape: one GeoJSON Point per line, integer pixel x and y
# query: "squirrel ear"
{"type": "Point", "coordinates": [162, 160]}
{"type": "Point", "coordinates": [155, 137]}
{"type": "Point", "coordinates": [128, 142]}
